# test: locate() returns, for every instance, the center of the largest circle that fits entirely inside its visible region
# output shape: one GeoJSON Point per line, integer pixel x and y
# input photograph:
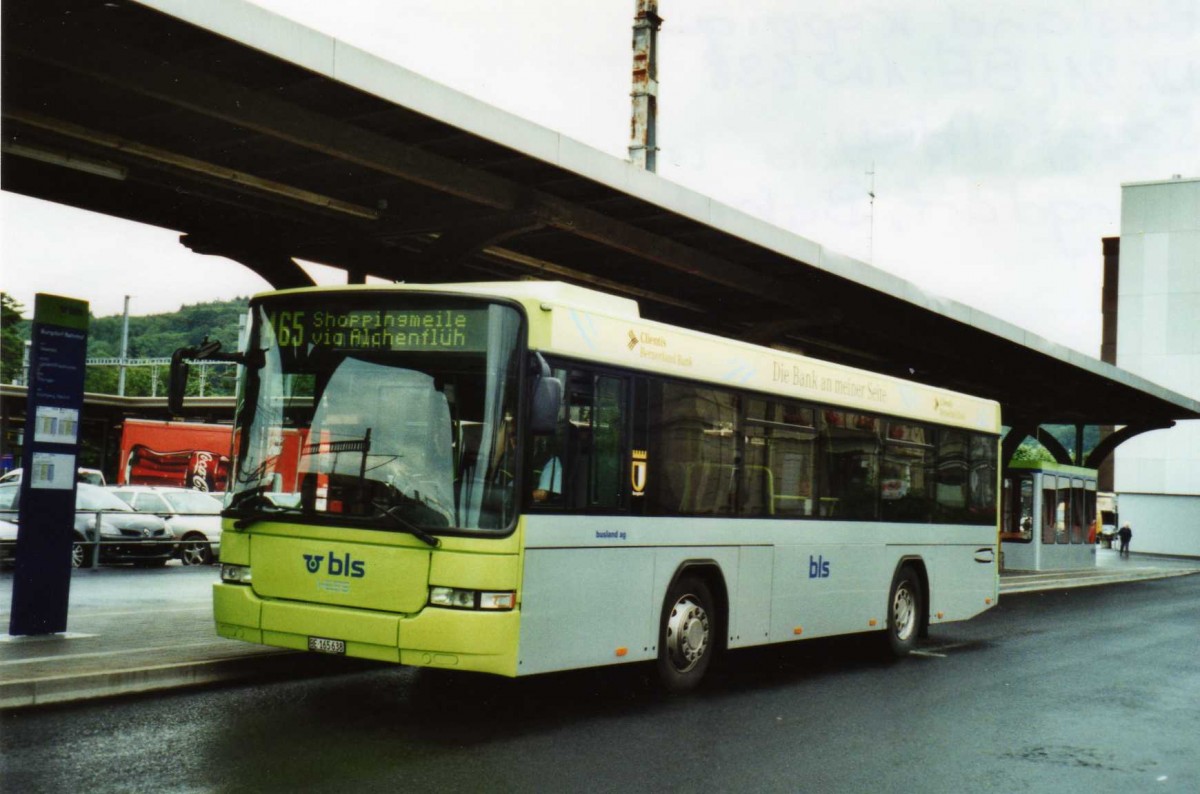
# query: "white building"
{"type": "Point", "coordinates": [1157, 474]}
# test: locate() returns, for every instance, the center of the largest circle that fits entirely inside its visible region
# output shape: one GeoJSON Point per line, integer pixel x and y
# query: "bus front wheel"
{"type": "Point", "coordinates": [686, 635]}
{"type": "Point", "coordinates": [905, 605]}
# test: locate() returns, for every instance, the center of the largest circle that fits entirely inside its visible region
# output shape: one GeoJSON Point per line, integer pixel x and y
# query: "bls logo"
{"type": "Point", "coordinates": [337, 566]}
{"type": "Point", "coordinates": [818, 568]}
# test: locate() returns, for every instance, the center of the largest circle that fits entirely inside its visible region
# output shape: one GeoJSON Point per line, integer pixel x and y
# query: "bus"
{"type": "Point", "coordinates": [525, 477]}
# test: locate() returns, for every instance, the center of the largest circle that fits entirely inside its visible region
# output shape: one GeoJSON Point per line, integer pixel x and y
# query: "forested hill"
{"type": "Point", "coordinates": [153, 336]}
{"type": "Point", "coordinates": [158, 335]}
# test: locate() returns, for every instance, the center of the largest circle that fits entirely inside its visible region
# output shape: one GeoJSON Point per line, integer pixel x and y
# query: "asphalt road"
{"type": "Point", "coordinates": [1090, 690]}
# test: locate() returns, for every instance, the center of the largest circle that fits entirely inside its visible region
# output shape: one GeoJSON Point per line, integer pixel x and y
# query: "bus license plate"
{"type": "Point", "coordinates": [322, 645]}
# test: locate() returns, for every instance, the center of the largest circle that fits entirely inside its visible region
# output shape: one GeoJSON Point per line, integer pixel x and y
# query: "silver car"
{"type": "Point", "coordinates": [125, 535]}
{"type": "Point", "coordinates": [8, 542]}
{"type": "Point", "coordinates": [194, 517]}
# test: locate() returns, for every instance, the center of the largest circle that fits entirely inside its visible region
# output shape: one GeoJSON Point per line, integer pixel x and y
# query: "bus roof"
{"type": "Point", "coordinates": [585, 324]}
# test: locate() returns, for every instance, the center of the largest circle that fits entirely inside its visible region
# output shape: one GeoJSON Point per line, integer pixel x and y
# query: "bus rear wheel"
{"type": "Point", "coordinates": [905, 607]}
{"type": "Point", "coordinates": [687, 635]}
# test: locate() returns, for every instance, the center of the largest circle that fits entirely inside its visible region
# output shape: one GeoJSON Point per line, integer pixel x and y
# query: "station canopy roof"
{"type": "Point", "coordinates": [265, 141]}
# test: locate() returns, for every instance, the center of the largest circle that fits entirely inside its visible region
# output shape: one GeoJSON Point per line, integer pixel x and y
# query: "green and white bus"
{"type": "Point", "coordinates": [524, 477]}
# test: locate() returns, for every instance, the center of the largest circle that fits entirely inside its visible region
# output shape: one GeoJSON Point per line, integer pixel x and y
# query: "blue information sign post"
{"type": "Point", "coordinates": [42, 577]}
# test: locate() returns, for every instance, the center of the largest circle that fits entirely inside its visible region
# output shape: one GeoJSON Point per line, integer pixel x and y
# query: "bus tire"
{"type": "Point", "coordinates": [688, 634]}
{"type": "Point", "coordinates": [905, 605]}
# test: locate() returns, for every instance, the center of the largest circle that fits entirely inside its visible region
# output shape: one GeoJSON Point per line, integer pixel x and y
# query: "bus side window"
{"type": "Point", "coordinates": [581, 465]}
{"type": "Point", "coordinates": [777, 460]}
{"type": "Point", "coordinates": [605, 482]}
{"type": "Point", "coordinates": [907, 489]}
{"type": "Point", "coordinates": [953, 477]}
{"type": "Point", "coordinates": [692, 433]}
{"type": "Point", "coordinates": [548, 455]}
{"type": "Point", "coordinates": [982, 484]}
{"type": "Point", "coordinates": [849, 470]}
{"type": "Point", "coordinates": [577, 444]}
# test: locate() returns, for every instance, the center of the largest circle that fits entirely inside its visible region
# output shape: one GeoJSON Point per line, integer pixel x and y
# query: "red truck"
{"type": "Point", "coordinates": [191, 455]}
{"type": "Point", "coordinates": [182, 454]}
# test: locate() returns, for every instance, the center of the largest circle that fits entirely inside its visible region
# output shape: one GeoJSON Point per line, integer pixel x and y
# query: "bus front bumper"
{"type": "Point", "coordinates": [477, 641]}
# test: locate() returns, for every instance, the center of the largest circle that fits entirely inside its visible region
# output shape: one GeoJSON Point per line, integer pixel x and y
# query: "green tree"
{"type": "Point", "coordinates": [158, 336]}
{"type": "Point", "coordinates": [1033, 452]}
{"type": "Point", "coordinates": [12, 341]}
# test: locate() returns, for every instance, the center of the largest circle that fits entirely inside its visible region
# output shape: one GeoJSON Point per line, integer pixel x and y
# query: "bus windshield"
{"type": "Point", "coordinates": [380, 410]}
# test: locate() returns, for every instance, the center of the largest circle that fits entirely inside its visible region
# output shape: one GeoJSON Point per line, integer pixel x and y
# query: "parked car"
{"type": "Point", "coordinates": [125, 535]}
{"type": "Point", "coordinates": [8, 525]}
{"type": "Point", "coordinates": [194, 517]}
{"type": "Point", "coordinates": [90, 476]}
{"type": "Point", "coordinates": [8, 542]}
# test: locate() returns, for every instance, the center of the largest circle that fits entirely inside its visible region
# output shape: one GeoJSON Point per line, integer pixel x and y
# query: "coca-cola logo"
{"type": "Point", "coordinates": [200, 469]}
{"type": "Point", "coordinates": [200, 463]}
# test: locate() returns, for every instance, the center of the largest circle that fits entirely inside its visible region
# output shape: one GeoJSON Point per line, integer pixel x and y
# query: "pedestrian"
{"type": "Point", "coordinates": [1125, 533]}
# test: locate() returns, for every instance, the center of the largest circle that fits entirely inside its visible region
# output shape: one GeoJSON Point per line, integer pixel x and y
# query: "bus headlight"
{"type": "Point", "coordinates": [455, 598]}
{"type": "Point", "coordinates": [235, 574]}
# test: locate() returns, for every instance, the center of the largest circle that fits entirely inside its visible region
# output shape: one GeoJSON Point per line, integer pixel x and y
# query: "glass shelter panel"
{"type": "Point", "coordinates": [1026, 508]}
{"type": "Point", "coordinates": [1049, 507]}
{"type": "Point", "coordinates": [1018, 508]}
{"type": "Point", "coordinates": [1079, 511]}
{"type": "Point", "coordinates": [1062, 510]}
{"type": "Point", "coordinates": [1089, 506]}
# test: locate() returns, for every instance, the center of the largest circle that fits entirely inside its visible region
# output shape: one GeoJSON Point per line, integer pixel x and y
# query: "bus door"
{"type": "Point", "coordinates": [580, 467]}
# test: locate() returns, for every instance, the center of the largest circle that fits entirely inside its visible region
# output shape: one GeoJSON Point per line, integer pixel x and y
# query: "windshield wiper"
{"type": "Point", "coordinates": [406, 525]}
{"type": "Point", "coordinates": [254, 506]}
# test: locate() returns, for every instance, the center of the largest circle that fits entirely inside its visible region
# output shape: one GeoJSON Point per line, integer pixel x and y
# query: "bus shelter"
{"type": "Point", "coordinates": [1048, 521]}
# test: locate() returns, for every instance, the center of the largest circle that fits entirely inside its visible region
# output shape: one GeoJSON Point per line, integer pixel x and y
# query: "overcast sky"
{"type": "Point", "coordinates": [999, 133]}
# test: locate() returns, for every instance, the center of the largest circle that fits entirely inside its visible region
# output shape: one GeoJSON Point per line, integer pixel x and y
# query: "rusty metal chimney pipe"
{"type": "Point", "coordinates": [643, 149]}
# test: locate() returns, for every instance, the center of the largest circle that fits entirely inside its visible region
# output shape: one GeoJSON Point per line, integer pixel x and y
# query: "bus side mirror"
{"type": "Point", "coordinates": [177, 383]}
{"type": "Point", "coordinates": [547, 397]}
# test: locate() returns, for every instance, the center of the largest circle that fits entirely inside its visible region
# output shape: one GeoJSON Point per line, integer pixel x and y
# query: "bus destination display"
{"type": "Point", "coordinates": [383, 329]}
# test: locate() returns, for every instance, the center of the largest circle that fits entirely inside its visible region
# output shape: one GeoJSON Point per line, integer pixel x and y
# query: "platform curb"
{"type": "Point", "coordinates": [1042, 583]}
{"type": "Point", "coordinates": [34, 692]}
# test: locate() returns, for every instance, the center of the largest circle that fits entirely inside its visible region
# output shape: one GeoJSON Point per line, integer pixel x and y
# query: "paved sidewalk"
{"type": "Point", "coordinates": [1110, 568]}
{"type": "Point", "coordinates": [142, 631]}
{"type": "Point", "coordinates": [134, 631]}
